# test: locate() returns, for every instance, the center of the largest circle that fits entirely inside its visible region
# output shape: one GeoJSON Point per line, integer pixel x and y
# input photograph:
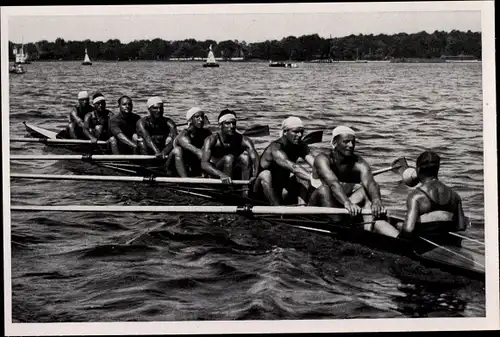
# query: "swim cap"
{"type": "Point", "coordinates": [97, 98]}
{"type": "Point", "coordinates": [226, 115]}
{"type": "Point", "coordinates": [290, 123]}
{"type": "Point", "coordinates": [341, 130]}
{"type": "Point", "coordinates": [153, 100]}
{"type": "Point", "coordinates": [83, 95]}
{"type": "Point", "coordinates": [428, 159]}
{"type": "Point", "coordinates": [191, 112]}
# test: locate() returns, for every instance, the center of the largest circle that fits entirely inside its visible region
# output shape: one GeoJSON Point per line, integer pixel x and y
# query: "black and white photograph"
{"type": "Point", "coordinates": [249, 168]}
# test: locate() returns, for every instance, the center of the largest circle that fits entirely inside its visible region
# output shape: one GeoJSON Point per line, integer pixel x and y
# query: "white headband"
{"type": "Point", "coordinates": [98, 99]}
{"type": "Point", "coordinates": [290, 123]}
{"type": "Point", "coordinates": [227, 117]}
{"type": "Point", "coordinates": [83, 95]}
{"type": "Point", "coordinates": [153, 100]}
{"type": "Point", "coordinates": [191, 112]}
{"type": "Point", "coordinates": [341, 130]}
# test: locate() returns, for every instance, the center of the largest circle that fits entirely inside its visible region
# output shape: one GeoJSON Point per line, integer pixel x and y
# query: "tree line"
{"type": "Point", "coordinates": [303, 48]}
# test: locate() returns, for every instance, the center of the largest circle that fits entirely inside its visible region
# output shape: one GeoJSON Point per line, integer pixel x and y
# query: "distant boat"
{"type": "Point", "coordinates": [21, 57]}
{"type": "Point", "coordinates": [17, 69]}
{"type": "Point", "coordinates": [283, 64]}
{"type": "Point", "coordinates": [210, 63]}
{"type": "Point", "coordinates": [86, 60]}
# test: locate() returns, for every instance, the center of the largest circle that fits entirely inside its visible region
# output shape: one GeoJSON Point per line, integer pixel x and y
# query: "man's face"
{"type": "Point", "coordinates": [228, 127]}
{"type": "Point", "coordinates": [125, 105]}
{"type": "Point", "coordinates": [156, 110]}
{"type": "Point", "coordinates": [100, 106]}
{"type": "Point", "coordinates": [83, 102]}
{"type": "Point", "coordinates": [294, 135]}
{"type": "Point", "coordinates": [198, 120]}
{"type": "Point", "coordinates": [345, 144]}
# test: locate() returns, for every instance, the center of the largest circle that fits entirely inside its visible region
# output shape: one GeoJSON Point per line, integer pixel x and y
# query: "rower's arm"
{"type": "Point", "coordinates": [252, 153]}
{"type": "Point", "coordinates": [86, 127]}
{"type": "Point", "coordinates": [282, 160]}
{"type": "Point", "coordinates": [74, 118]}
{"type": "Point", "coordinates": [184, 142]}
{"type": "Point", "coordinates": [169, 142]}
{"type": "Point", "coordinates": [116, 131]}
{"type": "Point", "coordinates": [322, 165]}
{"type": "Point", "coordinates": [206, 166]}
{"type": "Point", "coordinates": [142, 132]}
{"type": "Point", "coordinates": [309, 158]}
{"type": "Point", "coordinates": [412, 210]}
{"type": "Point", "coordinates": [371, 186]}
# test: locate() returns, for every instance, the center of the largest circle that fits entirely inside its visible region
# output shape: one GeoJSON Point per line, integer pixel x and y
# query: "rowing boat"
{"type": "Point", "coordinates": [445, 252]}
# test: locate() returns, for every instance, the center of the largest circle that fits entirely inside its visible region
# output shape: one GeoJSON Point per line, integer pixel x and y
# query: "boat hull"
{"type": "Point", "coordinates": [210, 65]}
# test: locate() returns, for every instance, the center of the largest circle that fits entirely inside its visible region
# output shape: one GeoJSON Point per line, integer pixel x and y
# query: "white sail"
{"type": "Point", "coordinates": [210, 57]}
{"type": "Point", "coordinates": [86, 58]}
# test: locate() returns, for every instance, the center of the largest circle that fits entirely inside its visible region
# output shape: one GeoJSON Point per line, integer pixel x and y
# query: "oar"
{"type": "Point", "coordinates": [171, 180]}
{"type": "Point", "coordinates": [313, 137]}
{"type": "Point", "coordinates": [257, 131]}
{"type": "Point", "coordinates": [395, 166]}
{"type": "Point", "coordinates": [109, 157]}
{"type": "Point", "coordinates": [57, 141]}
{"type": "Point", "coordinates": [281, 210]}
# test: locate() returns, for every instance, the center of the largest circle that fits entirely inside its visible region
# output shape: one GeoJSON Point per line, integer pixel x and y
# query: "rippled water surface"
{"type": "Point", "coordinates": [156, 267]}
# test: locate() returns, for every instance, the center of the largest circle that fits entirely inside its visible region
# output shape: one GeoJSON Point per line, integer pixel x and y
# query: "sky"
{"type": "Point", "coordinates": [250, 23]}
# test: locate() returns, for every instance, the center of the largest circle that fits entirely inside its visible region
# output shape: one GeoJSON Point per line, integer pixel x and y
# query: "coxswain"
{"type": "Point", "coordinates": [97, 121]}
{"type": "Point", "coordinates": [122, 128]}
{"type": "Point", "coordinates": [228, 154]}
{"type": "Point", "coordinates": [279, 170]}
{"type": "Point", "coordinates": [188, 144]}
{"type": "Point", "coordinates": [342, 178]}
{"type": "Point", "coordinates": [156, 132]}
{"type": "Point", "coordinates": [433, 208]}
{"type": "Point", "coordinates": [75, 128]}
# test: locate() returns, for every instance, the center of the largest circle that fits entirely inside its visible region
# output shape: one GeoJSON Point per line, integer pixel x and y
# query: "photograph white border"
{"type": "Point", "coordinates": [490, 322]}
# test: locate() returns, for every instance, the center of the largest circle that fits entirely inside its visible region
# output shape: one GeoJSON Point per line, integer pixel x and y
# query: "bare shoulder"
{"type": "Point", "coordinates": [361, 164]}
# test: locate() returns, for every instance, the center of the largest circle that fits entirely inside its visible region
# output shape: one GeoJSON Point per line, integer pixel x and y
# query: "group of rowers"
{"type": "Point", "coordinates": [286, 172]}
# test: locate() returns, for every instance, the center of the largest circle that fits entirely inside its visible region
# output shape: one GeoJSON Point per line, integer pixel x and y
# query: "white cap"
{"type": "Point", "coordinates": [292, 122]}
{"type": "Point", "coordinates": [153, 100]}
{"type": "Point", "coordinates": [191, 112]}
{"type": "Point", "coordinates": [342, 130]}
{"type": "Point", "coordinates": [83, 95]}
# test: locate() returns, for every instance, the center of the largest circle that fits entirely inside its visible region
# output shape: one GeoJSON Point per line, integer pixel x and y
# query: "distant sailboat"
{"type": "Point", "coordinates": [210, 63]}
{"type": "Point", "coordinates": [21, 57]}
{"type": "Point", "coordinates": [86, 60]}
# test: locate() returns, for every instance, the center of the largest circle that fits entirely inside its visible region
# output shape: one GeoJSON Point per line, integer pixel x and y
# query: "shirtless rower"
{"type": "Point", "coordinates": [188, 145]}
{"type": "Point", "coordinates": [122, 128]}
{"type": "Point", "coordinates": [75, 128]}
{"type": "Point", "coordinates": [344, 179]}
{"type": "Point", "coordinates": [227, 149]}
{"type": "Point", "coordinates": [433, 207]}
{"type": "Point", "coordinates": [97, 121]}
{"type": "Point", "coordinates": [279, 169]}
{"type": "Point", "coordinates": [156, 132]}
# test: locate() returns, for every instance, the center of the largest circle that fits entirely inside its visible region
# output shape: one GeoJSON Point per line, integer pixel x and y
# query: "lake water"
{"type": "Point", "coordinates": [80, 267]}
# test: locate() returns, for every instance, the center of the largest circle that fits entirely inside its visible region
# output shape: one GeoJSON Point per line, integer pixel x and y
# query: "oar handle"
{"type": "Point", "coordinates": [111, 157]}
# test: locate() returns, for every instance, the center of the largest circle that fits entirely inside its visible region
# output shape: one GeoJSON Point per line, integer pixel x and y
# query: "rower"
{"type": "Point", "coordinates": [122, 127]}
{"type": "Point", "coordinates": [342, 178]}
{"type": "Point", "coordinates": [279, 169]}
{"type": "Point", "coordinates": [77, 115]}
{"type": "Point", "coordinates": [97, 121]}
{"type": "Point", "coordinates": [187, 146]}
{"type": "Point", "coordinates": [228, 149]}
{"type": "Point", "coordinates": [156, 132]}
{"type": "Point", "coordinates": [433, 208]}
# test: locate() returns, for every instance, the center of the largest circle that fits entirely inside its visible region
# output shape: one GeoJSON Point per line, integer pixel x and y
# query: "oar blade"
{"type": "Point", "coordinates": [399, 165]}
{"type": "Point", "coordinates": [313, 137]}
{"type": "Point", "coordinates": [257, 131]}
